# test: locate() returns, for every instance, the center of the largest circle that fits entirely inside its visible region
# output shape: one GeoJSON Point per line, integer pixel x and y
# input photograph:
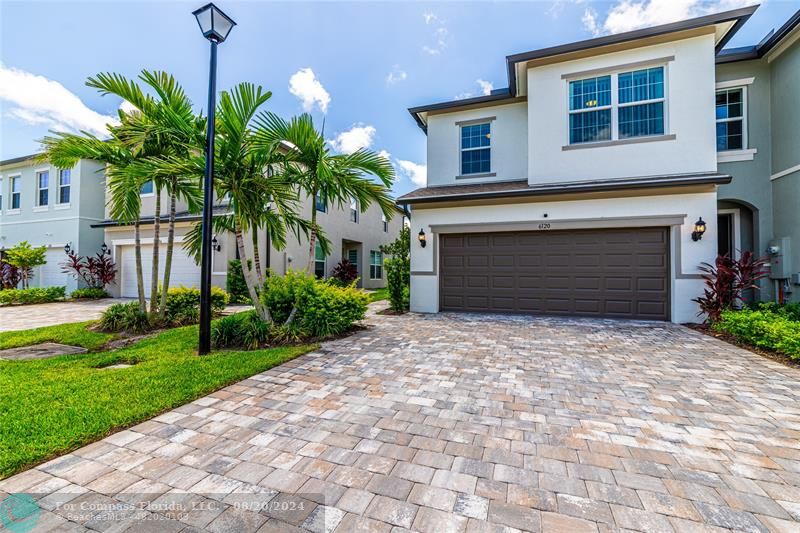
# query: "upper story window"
{"type": "Point", "coordinates": [319, 204]}
{"type": "Point", "coordinates": [730, 120]}
{"type": "Point", "coordinates": [319, 261]}
{"type": "Point", "coordinates": [617, 106]}
{"type": "Point", "coordinates": [353, 210]}
{"type": "Point", "coordinates": [42, 187]}
{"type": "Point", "coordinates": [590, 110]}
{"type": "Point", "coordinates": [147, 188]}
{"type": "Point", "coordinates": [385, 223]}
{"type": "Point", "coordinates": [64, 185]}
{"type": "Point", "coordinates": [15, 183]}
{"type": "Point", "coordinates": [641, 103]}
{"type": "Point", "coordinates": [476, 148]}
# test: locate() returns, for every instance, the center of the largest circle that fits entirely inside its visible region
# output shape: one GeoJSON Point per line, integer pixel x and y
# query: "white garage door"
{"type": "Point", "coordinates": [184, 270]}
{"type": "Point", "coordinates": [49, 274]}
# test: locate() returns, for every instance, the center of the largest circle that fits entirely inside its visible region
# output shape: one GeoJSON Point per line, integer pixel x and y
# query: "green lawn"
{"type": "Point", "coordinates": [51, 406]}
{"type": "Point", "coordinates": [379, 294]}
{"type": "Point", "coordinates": [72, 334]}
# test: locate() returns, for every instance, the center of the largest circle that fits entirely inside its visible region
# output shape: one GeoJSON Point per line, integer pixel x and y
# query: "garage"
{"type": "Point", "coordinates": [184, 270]}
{"type": "Point", "coordinates": [617, 273]}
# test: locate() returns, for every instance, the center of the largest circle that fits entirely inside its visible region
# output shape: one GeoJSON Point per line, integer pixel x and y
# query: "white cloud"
{"type": "Point", "coordinates": [486, 87]}
{"type": "Point", "coordinates": [357, 137]}
{"type": "Point", "coordinates": [440, 34]}
{"type": "Point", "coordinates": [418, 174]}
{"type": "Point", "coordinates": [628, 15]}
{"type": "Point", "coordinates": [589, 20]}
{"type": "Point", "coordinates": [396, 75]}
{"type": "Point", "coordinates": [305, 85]}
{"type": "Point", "coordinates": [127, 107]}
{"type": "Point", "coordinates": [37, 100]}
{"type": "Point", "coordinates": [462, 96]}
{"type": "Point", "coordinates": [385, 154]}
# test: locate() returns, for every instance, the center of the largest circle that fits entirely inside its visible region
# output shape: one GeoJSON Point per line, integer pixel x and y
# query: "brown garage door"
{"type": "Point", "coordinates": [606, 273]}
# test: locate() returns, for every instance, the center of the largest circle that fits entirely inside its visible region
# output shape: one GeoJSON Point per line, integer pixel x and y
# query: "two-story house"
{"type": "Point", "coordinates": [354, 235]}
{"type": "Point", "coordinates": [52, 207]}
{"type": "Point", "coordinates": [589, 186]}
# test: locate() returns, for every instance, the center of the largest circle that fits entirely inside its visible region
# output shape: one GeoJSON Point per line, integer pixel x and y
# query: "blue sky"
{"type": "Point", "coordinates": [357, 65]}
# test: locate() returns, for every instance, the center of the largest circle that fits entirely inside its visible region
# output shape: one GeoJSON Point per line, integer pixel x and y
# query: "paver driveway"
{"type": "Point", "coordinates": [18, 317]}
{"type": "Point", "coordinates": [463, 423]}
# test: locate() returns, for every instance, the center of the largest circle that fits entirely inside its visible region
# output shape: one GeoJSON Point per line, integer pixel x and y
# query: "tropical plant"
{"type": "Point", "coordinates": [88, 293]}
{"type": "Point", "coordinates": [726, 282]}
{"type": "Point", "coordinates": [235, 285]}
{"type": "Point", "coordinates": [125, 317]}
{"type": "Point", "coordinates": [25, 258]}
{"type": "Point", "coordinates": [401, 246]}
{"type": "Point", "coordinates": [344, 273]}
{"type": "Point", "coordinates": [398, 270]}
{"type": "Point", "coordinates": [96, 271]}
{"type": "Point", "coordinates": [162, 126]}
{"type": "Point", "coordinates": [10, 275]}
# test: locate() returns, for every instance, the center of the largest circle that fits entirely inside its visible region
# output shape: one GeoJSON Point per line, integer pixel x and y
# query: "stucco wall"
{"type": "Point", "coordinates": [509, 155]}
{"type": "Point", "coordinates": [786, 152]}
{"type": "Point", "coordinates": [689, 116]}
{"type": "Point", "coordinates": [685, 284]}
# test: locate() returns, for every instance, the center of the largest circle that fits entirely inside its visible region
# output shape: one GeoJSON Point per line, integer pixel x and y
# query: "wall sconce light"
{"type": "Point", "coordinates": [421, 237]}
{"type": "Point", "coordinates": [67, 248]}
{"type": "Point", "coordinates": [699, 229]}
{"type": "Point", "coordinates": [215, 244]}
{"type": "Point", "coordinates": [104, 249]}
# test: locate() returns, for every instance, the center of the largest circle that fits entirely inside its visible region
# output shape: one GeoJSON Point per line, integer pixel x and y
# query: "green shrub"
{"type": "Point", "coordinates": [330, 310]}
{"type": "Point", "coordinates": [254, 331]}
{"type": "Point", "coordinates": [398, 279]}
{"type": "Point", "coordinates": [37, 295]}
{"type": "Point", "coordinates": [763, 329]}
{"type": "Point", "coordinates": [789, 310]}
{"type": "Point", "coordinates": [124, 317]}
{"type": "Point", "coordinates": [226, 332]}
{"type": "Point", "coordinates": [183, 304]}
{"type": "Point", "coordinates": [89, 293]}
{"type": "Point", "coordinates": [235, 284]}
{"type": "Point", "coordinates": [280, 293]}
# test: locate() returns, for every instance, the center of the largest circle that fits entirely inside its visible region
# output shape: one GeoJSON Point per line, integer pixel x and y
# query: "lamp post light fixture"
{"type": "Point", "coordinates": [104, 249]}
{"type": "Point", "coordinates": [699, 229]}
{"type": "Point", "coordinates": [67, 248]}
{"type": "Point", "coordinates": [215, 26]}
{"type": "Point", "coordinates": [215, 244]}
{"type": "Point", "coordinates": [422, 239]}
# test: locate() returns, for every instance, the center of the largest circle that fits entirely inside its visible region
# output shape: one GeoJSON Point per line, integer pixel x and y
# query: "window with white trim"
{"type": "Point", "coordinates": [15, 186]}
{"type": "Point", "coordinates": [385, 223]}
{"type": "Point", "coordinates": [319, 261]}
{"type": "Point", "coordinates": [617, 106]}
{"type": "Point", "coordinates": [42, 187]}
{"type": "Point", "coordinates": [375, 265]}
{"type": "Point", "coordinates": [353, 210]}
{"type": "Point", "coordinates": [731, 130]}
{"type": "Point", "coordinates": [476, 148]}
{"type": "Point", "coordinates": [64, 185]}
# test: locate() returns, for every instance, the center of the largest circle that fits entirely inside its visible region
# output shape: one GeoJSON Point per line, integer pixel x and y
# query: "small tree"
{"type": "Point", "coordinates": [398, 270]}
{"type": "Point", "coordinates": [726, 282]}
{"type": "Point", "coordinates": [25, 258]}
{"type": "Point", "coordinates": [344, 273]}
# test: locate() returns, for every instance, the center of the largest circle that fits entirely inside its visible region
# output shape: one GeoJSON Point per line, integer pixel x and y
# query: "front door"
{"type": "Point", "coordinates": [725, 244]}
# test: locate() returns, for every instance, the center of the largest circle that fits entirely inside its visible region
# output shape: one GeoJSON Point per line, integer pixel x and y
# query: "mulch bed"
{"type": "Point", "coordinates": [389, 312]}
{"type": "Point", "coordinates": [730, 339]}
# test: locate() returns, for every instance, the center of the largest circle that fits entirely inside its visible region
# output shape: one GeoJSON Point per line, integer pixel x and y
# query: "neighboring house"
{"type": "Point", "coordinates": [577, 189]}
{"type": "Point", "coordinates": [52, 207]}
{"type": "Point", "coordinates": [354, 236]}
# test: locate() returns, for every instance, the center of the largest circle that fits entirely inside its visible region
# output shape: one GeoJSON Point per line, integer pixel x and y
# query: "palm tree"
{"type": "Point", "coordinates": [309, 164]}
{"type": "Point", "coordinates": [257, 200]}
{"type": "Point", "coordinates": [165, 125]}
{"type": "Point", "coordinates": [66, 149]}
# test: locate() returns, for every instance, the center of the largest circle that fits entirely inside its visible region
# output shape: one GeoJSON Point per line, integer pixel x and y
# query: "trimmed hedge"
{"type": "Point", "coordinates": [36, 295]}
{"type": "Point", "coordinates": [764, 329]}
{"type": "Point", "coordinates": [88, 293]}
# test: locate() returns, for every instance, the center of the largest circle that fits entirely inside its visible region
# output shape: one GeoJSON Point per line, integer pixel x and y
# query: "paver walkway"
{"type": "Point", "coordinates": [18, 317]}
{"type": "Point", "coordinates": [460, 423]}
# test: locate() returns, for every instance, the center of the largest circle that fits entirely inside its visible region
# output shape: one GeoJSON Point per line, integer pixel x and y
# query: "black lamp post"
{"type": "Point", "coordinates": [215, 26]}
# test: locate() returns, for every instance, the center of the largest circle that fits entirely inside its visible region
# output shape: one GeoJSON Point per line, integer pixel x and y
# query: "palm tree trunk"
{"type": "Point", "coordinates": [137, 247]}
{"type": "Point", "coordinates": [156, 245]}
{"type": "Point", "coordinates": [312, 238]}
{"type": "Point", "coordinates": [162, 308]}
{"type": "Point", "coordinates": [250, 281]}
{"type": "Point", "coordinates": [257, 256]}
